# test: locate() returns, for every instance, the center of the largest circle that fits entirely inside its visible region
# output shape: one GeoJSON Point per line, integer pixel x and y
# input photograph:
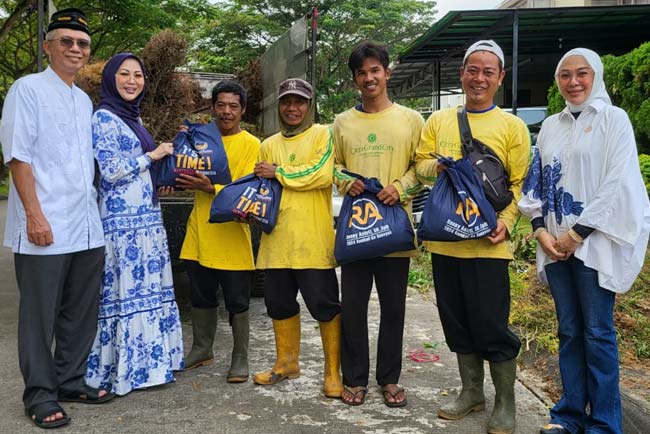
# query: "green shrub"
{"type": "Point", "coordinates": [523, 244]}
{"type": "Point", "coordinates": [644, 162]}
{"type": "Point", "coordinates": [555, 100]}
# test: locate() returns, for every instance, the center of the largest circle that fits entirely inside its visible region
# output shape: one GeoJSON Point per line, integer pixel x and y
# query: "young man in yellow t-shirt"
{"type": "Point", "coordinates": [471, 277]}
{"type": "Point", "coordinates": [299, 254]}
{"type": "Point", "coordinates": [220, 255]}
{"type": "Point", "coordinates": [378, 138]}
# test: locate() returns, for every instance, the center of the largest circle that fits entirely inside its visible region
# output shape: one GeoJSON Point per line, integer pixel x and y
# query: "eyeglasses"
{"type": "Point", "coordinates": [67, 42]}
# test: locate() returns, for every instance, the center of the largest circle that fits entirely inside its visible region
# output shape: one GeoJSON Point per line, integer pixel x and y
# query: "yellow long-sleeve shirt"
{"type": "Point", "coordinates": [223, 246]}
{"type": "Point", "coordinates": [303, 236]}
{"type": "Point", "coordinates": [380, 145]}
{"type": "Point", "coordinates": [507, 136]}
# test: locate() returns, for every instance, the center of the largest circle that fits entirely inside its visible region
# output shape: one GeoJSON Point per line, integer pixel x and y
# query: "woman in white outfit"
{"type": "Point", "coordinates": [589, 208]}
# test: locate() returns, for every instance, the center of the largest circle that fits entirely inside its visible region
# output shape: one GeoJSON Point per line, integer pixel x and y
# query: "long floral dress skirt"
{"type": "Point", "coordinates": [139, 339]}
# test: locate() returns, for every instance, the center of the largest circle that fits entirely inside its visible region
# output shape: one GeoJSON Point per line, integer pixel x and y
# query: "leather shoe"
{"type": "Point", "coordinates": [553, 428]}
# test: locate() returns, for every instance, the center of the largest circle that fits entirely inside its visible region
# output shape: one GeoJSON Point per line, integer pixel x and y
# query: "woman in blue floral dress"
{"type": "Point", "coordinates": [139, 342]}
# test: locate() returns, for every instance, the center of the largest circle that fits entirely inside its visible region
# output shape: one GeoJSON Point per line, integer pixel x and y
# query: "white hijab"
{"type": "Point", "coordinates": [598, 90]}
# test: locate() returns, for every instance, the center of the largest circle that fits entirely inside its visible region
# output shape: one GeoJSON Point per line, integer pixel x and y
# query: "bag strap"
{"type": "Point", "coordinates": [466, 139]}
{"type": "Point", "coordinates": [354, 175]}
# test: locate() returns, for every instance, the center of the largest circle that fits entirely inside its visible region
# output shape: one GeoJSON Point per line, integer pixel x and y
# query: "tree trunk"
{"type": "Point", "coordinates": [14, 17]}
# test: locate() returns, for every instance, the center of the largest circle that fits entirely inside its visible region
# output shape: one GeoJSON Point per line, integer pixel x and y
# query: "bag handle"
{"type": "Point", "coordinates": [373, 185]}
{"type": "Point", "coordinates": [190, 134]}
{"type": "Point", "coordinates": [354, 175]}
{"type": "Point", "coordinates": [467, 141]}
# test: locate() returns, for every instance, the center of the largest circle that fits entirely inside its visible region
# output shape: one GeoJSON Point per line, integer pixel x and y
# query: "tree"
{"type": "Point", "coordinates": [170, 97]}
{"type": "Point", "coordinates": [116, 26]}
{"type": "Point", "coordinates": [242, 29]}
{"type": "Point", "coordinates": [17, 36]}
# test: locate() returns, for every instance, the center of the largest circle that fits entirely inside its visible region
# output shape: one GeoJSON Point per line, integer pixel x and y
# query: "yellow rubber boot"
{"type": "Point", "coordinates": [287, 348]}
{"type": "Point", "coordinates": [330, 333]}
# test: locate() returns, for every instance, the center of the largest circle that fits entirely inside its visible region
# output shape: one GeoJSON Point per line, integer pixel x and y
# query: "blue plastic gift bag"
{"type": "Point", "coordinates": [366, 228]}
{"type": "Point", "coordinates": [457, 208]}
{"type": "Point", "coordinates": [199, 149]}
{"type": "Point", "coordinates": [249, 198]}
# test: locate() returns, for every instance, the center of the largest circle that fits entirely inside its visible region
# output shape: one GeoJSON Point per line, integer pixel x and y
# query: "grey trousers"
{"type": "Point", "coordinates": [59, 299]}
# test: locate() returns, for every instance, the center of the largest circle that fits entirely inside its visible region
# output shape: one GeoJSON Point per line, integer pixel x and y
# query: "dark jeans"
{"type": "Point", "coordinates": [59, 300]}
{"type": "Point", "coordinates": [319, 289]}
{"type": "Point", "coordinates": [391, 278]}
{"type": "Point", "coordinates": [588, 350]}
{"type": "Point", "coordinates": [206, 282]}
{"type": "Point", "coordinates": [473, 298]}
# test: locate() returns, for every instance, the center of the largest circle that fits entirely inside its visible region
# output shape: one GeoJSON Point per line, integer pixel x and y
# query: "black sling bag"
{"type": "Point", "coordinates": [487, 165]}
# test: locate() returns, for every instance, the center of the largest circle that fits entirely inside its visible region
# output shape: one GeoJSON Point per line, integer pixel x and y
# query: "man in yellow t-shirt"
{"type": "Point", "coordinates": [377, 138]}
{"type": "Point", "coordinates": [219, 256]}
{"type": "Point", "coordinates": [299, 254]}
{"type": "Point", "coordinates": [471, 277]}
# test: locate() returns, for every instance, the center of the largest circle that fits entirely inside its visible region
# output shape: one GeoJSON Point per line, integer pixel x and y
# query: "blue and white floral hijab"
{"type": "Point", "coordinates": [586, 171]}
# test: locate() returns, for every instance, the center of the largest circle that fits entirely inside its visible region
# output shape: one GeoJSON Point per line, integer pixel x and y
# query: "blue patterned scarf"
{"type": "Point", "coordinates": [128, 111]}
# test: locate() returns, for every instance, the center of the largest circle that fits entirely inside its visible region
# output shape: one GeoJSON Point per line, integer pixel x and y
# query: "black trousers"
{"type": "Point", "coordinates": [473, 297]}
{"type": "Point", "coordinates": [319, 289]}
{"type": "Point", "coordinates": [391, 278]}
{"type": "Point", "coordinates": [205, 284]}
{"type": "Point", "coordinates": [59, 300]}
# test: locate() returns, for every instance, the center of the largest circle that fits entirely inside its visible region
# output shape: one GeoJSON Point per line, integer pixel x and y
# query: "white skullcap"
{"type": "Point", "coordinates": [485, 45]}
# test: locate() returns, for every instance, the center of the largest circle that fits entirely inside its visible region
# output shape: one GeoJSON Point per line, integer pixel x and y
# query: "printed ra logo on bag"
{"type": "Point", "coordinates": [468, 210]}
{"type": "Point", "coordinates": [364, 214]}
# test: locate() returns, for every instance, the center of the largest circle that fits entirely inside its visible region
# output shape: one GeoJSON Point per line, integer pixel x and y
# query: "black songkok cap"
{"type": "Point", "coordinates": [70, 18]}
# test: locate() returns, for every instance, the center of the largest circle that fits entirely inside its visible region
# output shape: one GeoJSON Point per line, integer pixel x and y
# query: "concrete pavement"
{"type": "Point", "coordinates": [200, 401]}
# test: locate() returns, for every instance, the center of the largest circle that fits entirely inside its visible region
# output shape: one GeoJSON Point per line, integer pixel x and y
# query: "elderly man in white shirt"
{"type": "Point", "coordinates": [53, 224]}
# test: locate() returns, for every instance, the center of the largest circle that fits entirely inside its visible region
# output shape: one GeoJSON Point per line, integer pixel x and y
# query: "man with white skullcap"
{"type": "Point", "coordinates": [471, 276]}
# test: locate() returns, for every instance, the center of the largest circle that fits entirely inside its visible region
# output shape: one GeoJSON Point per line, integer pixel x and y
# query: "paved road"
{"type": "Point", "coordinates": [201, 401]}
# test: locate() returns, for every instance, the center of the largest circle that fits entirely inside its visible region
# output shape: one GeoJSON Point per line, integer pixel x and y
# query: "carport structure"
{"type": "Point", "coordinates": [533, 41]}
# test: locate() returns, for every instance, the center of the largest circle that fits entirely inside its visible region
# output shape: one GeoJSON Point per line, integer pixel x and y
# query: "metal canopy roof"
{"type": "Point", "coordinates": [541, 36]}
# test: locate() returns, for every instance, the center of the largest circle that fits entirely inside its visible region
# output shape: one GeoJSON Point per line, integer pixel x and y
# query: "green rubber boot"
{"type": "Point", "coordinates": [238, 372]}
{"type": "Point", "coordinates": [502, 420]}
{"type": "Point", "coordinates": [471, 397]}
{"type": "Point", "coordinates": [204, 326]}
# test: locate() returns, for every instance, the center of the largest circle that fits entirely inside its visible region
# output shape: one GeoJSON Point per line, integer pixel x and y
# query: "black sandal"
{"type": "Point", "coordinates": [85, 395]}
{"type": "Point", "coordinates": [361, 393]}
{"type": "Point", "coordinates": [396, 403]}
{"type": "Point", "coordinates": [38, 412]}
